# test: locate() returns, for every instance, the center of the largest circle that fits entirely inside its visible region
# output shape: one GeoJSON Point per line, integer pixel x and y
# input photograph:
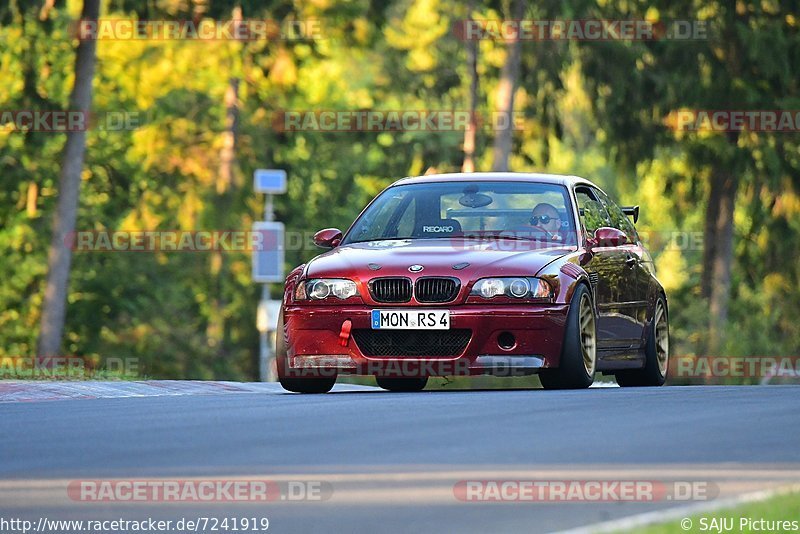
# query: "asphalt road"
{"type": "Point", "coordinates": [389, 461]}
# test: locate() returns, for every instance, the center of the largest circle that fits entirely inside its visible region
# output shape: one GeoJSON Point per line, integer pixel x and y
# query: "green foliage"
{"type": "Point", "coordinates": [596, 109]}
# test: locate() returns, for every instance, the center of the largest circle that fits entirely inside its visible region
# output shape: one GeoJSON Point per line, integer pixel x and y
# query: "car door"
{"type": "Point", "coordinates": [611, 280]}
{"type": "Point", "coordinates": [635, 304]}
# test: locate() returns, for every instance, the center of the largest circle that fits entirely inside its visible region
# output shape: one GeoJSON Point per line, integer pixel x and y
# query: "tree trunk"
{"type": "Point", "coordinates": [226, 180]}
{"type": "Point", "coordinates": [471, 132]}
{"type": "Point", "coordinates": [60, 254]}
{"type": "Point", "coordinates": [505, 97]}
{"type": "Point", "coordinates": [227, 154]}
{"type": "Point", "coordinates": [33, 196]}
{"type": "Point", "coordinates": [722, 198]}
{"type": "Point", "coordinates": [718, 240]}
{"type": "Point", "coordinates": [710, 237]}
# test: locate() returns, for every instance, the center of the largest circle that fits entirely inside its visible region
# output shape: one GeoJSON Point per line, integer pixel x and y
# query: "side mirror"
{"type": "Point", "coordinates": [328, 238]}
{"type": "Point", "coordinates": [631, 211]}
{"type": "Point", "coordinates": [607, 237]}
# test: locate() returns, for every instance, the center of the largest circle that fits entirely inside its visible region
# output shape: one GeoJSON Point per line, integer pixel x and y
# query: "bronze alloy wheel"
{"type": "Point", "coordinates": [656, 352]}
{"type": "Point", "coordinates": [662, 338]}
{"type": "Point", "coordinates": [588, 335]}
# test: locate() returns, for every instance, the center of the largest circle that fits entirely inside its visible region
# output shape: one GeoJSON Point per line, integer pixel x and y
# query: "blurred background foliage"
{"type": "Point", "coordinates": [596, 109]}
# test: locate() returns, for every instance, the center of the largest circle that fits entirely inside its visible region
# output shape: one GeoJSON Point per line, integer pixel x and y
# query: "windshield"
{"type": "Point", "coordinates": [441, 210]}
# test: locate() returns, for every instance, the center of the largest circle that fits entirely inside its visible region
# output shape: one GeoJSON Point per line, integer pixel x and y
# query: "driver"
{"type": "Point", "coordinates": [546, 218]}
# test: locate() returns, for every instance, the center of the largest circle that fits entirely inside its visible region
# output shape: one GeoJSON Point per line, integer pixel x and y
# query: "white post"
{"type": "Point", "coordinates": [270, 182]}
{"type": "Point", "coordinates": [266, 369]}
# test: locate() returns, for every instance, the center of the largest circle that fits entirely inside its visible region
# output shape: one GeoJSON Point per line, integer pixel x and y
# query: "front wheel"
{"type": "Point", "coordinates": [298, 380]}
{"type": "Point", "coordinates": [654, 372]}
{"type": "Point", "coordinates": [402, 384]}
{"type": "Point", "coordinates": [579, 351]}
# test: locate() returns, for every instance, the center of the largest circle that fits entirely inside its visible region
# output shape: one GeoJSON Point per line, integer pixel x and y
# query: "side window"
{"type": "Point", "coordinates": [592, 213]}
{"type": "Point", "coordinates": [619, 220]}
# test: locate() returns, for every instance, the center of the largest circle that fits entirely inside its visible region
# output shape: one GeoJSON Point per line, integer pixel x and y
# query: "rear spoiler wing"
{"type": "Point", "coordinates": [632, 211]}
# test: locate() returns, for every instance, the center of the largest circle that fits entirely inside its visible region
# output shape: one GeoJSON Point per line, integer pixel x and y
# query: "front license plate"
{"type": "Point", "coordinates": [410, 319]}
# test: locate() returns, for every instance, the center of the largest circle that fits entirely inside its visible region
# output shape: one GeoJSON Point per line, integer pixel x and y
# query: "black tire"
{"type": "Point", "coordinates": [402, 384]}
{"type": "Point", "coordinates": [306, 381]}
{"type": "Point", "coordinates": [578, 353]}
{"type": "Point", "coordinates": [656, 362]}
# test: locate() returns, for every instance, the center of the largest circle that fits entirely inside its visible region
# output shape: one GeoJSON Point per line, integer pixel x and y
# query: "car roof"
{"type": "Point", "coordinates": [560, 179]}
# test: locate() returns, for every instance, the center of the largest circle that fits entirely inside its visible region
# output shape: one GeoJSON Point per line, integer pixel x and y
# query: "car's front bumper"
{"type": "Point", "coordinates": [315, 341]}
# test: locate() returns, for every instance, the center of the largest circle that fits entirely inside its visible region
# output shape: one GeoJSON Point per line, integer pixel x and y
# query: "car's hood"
{"type": "Point", "coordinates": [438, 257]}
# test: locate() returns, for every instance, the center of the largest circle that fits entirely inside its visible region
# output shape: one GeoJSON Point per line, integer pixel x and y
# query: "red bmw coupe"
{"type": "Point", "coordinates": [485, 273]}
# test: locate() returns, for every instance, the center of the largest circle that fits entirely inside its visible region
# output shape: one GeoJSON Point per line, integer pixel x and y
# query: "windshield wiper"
{"type": "Point", "coordinates": [376, 239]}
{"type": "Point", "coordinates": [501, 236]}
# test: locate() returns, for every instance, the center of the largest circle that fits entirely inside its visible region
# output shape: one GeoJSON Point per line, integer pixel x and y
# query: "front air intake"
{"type": "Point", "coordinates": [419, 343]}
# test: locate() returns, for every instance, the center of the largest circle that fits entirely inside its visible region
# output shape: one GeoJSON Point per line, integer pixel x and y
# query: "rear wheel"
{"type": "Point", "coordinates": [654, 372]}
{"type": "Point", "coordinates": [402, 384]}
{"type": "Point", "coordinates": [299, 380]}
{"type": "Point", "coordinates": [579, 351]}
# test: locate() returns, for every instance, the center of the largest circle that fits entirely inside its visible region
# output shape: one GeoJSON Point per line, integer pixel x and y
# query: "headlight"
{"type": "Point", "coordinates": [513, 287]}
{"type": "Point", "coordinates": [322, 288]}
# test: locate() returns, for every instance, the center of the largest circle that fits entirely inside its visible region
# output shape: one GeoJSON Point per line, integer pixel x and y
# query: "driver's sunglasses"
{"type": "Point", "coordinates": [544, 218]}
